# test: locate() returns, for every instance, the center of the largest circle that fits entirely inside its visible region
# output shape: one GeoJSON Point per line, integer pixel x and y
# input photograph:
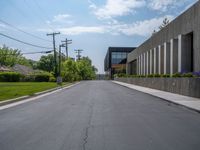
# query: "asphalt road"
{"type": "Point", "coordinates": [99, 115]}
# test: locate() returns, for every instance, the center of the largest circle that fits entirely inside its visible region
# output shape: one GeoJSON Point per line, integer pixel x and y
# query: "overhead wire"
{"type": "Point", "coordinates": [43, 14]}
{"type": "Point", "coordinates": [18, 29]}
{"type": "Point", "coordinates": [26, 43]}
{"type": "Point", "coordinates": [44, 52]}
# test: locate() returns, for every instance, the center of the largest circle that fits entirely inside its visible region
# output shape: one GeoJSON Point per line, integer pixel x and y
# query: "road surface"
{"type": "Point", "coordinates": [99, 115]}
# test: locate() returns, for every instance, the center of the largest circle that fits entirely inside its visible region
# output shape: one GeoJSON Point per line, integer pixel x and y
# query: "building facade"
{"type": "Point", "coordinates": [116, 59]}
{"type": "Point", "coordinates": [176, 48]}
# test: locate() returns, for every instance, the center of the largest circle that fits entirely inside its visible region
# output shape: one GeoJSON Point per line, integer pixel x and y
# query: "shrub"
{"type": "Point", "coordinates": [176, 75]}
{"type": "Point", "coordinates": [150, 75]}
{"type": "Point", "coordinates": [43, 77]}
{"type": "Point", "coordinates": [189, 75]}
{"type": "Point", "coordinates": [166, 75]}
{"type": "Point", "coordinates": [157, 75]}
{"type": "Point", "coordinates": [10, 77]}
{"type": "Point", "coordinates": [28, 78]}
{"type": "Point", "coordinates": [52, 79]}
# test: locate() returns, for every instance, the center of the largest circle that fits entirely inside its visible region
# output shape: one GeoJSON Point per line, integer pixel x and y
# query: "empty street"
{"type": "Point", "coordinates": [99, 115]}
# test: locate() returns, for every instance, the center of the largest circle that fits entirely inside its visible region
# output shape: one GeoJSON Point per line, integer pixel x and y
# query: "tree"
{"type": "Point", "coordinates": [46, 63]}
{"type": "Point", "coordinates": [10, 57]}
{"type": "Point", "coordinates": [85, 69]}
{"type": "Point", "coordinates": [164, 24]}
{"type": "Point", "coordinates": [70, 71]}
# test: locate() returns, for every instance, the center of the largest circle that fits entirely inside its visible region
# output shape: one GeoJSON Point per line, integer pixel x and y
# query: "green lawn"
{"type": "Point", "coordinates": [9, 90]}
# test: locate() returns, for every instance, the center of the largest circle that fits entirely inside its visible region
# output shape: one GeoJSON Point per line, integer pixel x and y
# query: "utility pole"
{"type": "Point", "coordinates": [78, 51]}
{"type": "Point", "coordinates": [54, 48]}
{"type": "Point", "coordinates": [66, 46]}
{"type": "Point", "coordinates": [59, 72]}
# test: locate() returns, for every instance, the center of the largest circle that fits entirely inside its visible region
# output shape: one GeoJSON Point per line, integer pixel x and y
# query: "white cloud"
{"type": "Point", "coordinates": [2, 25]}
{"type": "Point", "coordinates": [81, 29]}
{"type": "Point", "coordinates": [160, 4]}
{"type": "Point", "coordinates": [61, 17]}
{"type": "Point", "coordinates": [139, 28]}
{"type": "Point", "coordinates": [76, 30]}
{"type": "Point", "coordinates": [164, 5]}
{"type": "Point", "coordinates": [114, 8]}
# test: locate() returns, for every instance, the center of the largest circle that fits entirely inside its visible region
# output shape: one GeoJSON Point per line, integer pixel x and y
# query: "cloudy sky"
{"type": "Point", "coordinates": [93, 25]}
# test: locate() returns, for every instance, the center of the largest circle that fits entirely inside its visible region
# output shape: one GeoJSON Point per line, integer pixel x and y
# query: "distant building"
{"type": "Point", "coordinates": [22, 69]}
{"type": "Point", "coordinates": [176, 48]}
{"type": "Point", "coordinates": [100, 77]}
{"type": "Point", "coordinates": [115, 60]}
{"type": "Point", "coordinates": [4, 69]}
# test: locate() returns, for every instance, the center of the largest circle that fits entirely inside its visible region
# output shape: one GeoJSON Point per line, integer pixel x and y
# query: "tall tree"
{"type": "Point", "coordinates": [46, 63]}
{"type": "Point", "coordinates": [10, 57]}
{"type": "Point", "coordinates": [164, 24]}
{"type": "Point", "coordinates": [70, 71]}
{"type": "Point", "coordinates": [85, 69]}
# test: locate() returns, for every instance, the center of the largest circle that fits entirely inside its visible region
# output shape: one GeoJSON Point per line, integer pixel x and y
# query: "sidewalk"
{"type": "Point", "coordinates": [190, 102]}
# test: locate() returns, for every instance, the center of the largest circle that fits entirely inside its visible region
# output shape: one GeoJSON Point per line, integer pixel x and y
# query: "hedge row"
{"type": "Point", "coordinates": [16, 77]}
{"type": "Point", "coordinates": [176, 75]}
{"type": "Point", "coordinates": [9, 77]}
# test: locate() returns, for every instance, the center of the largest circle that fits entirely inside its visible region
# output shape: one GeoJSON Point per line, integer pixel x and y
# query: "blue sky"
{"type": "Point", "coordinates": [93, 25]}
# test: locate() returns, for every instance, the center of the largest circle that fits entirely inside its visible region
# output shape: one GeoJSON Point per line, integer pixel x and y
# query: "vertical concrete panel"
{"type": "Point", "coordinates": [144, 64]}
{"type": "Point", "coordinates": [137, 65]}
{"type": "Point", "coordinates": [154, 62]}
{"type": "Point", "coordinates": [179, 53]}
{"type": "Point", "coordinates": [173, 56]}
{"type": "Point", "coordinates": [139, 68]}
{"type": "Point", "coordinates": [141, 64]}
{"type": "Point", "coordinates": [166, 58]}
{"type": "Point", "coordinates": [159, 59]}
{"type": "Point", "coordinates": [147, 63]}
{"type": "Point", "coordinates": [151, 62]}
{"type": "Point", "coordinates": [162, 59]}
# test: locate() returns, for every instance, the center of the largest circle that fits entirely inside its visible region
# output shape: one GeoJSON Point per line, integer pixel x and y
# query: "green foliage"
{"type": "Point", "coordinates": [78, 70]}
{"type": "Point", "coordinates": [39, 76]}
{"type": "Point", "coordinates": [70, 71]}
{"type": "Point", "coordinates": [10, 90]}
{"type": "Point", "coordinates": [9, 77]}
{"type": "Point", "coordinates": [165, 75]}
{"type": "Point", "coordinates": [42, 78]}
{"type": "Point", "coordinates": [46, 63]}
{"type": "Point", "coordinates": [176, 75]}
{"type": "Point", "coordinates": [189, 75]}
{"type": "Point", "coordinates": [10, 57]}
{"type": "Point", "coordinates": [150, 76]}
{"type": "Point", "coordinates": [52, 79]}
{"type": "Point", "coordinates": [157, 75]}
{"type": "Point", "coordinates": [85, 69]}
{"type": "Point", "coordinates": [120, 75]}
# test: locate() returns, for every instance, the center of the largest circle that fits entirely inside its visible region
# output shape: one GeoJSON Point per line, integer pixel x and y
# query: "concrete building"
{"type": "Point", "coordinates": [176, 48]}
{"type": "Point", "coordinates": [116, 59]}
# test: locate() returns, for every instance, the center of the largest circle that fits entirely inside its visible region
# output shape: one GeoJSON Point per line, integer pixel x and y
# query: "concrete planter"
{"type": "Point", "coordinates": [183, 86]}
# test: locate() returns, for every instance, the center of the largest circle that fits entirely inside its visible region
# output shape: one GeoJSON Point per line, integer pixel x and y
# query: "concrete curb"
{"type": "Point", "coordinates": [9, 101]}
{"type": "Point", "coordinates": [165, 99]}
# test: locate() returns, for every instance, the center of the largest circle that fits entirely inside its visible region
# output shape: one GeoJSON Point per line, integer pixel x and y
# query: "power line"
{"type": "Point", "coordinates": [23, 31]}
{"type": "Point", "coordinates": [12, 38]}
{"type": "Point", "coordinates": [44, 14]}
{"type": "Point", "coordinates": [43, 52]}
{"type": "Point", "coordinates": [42, 18]}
